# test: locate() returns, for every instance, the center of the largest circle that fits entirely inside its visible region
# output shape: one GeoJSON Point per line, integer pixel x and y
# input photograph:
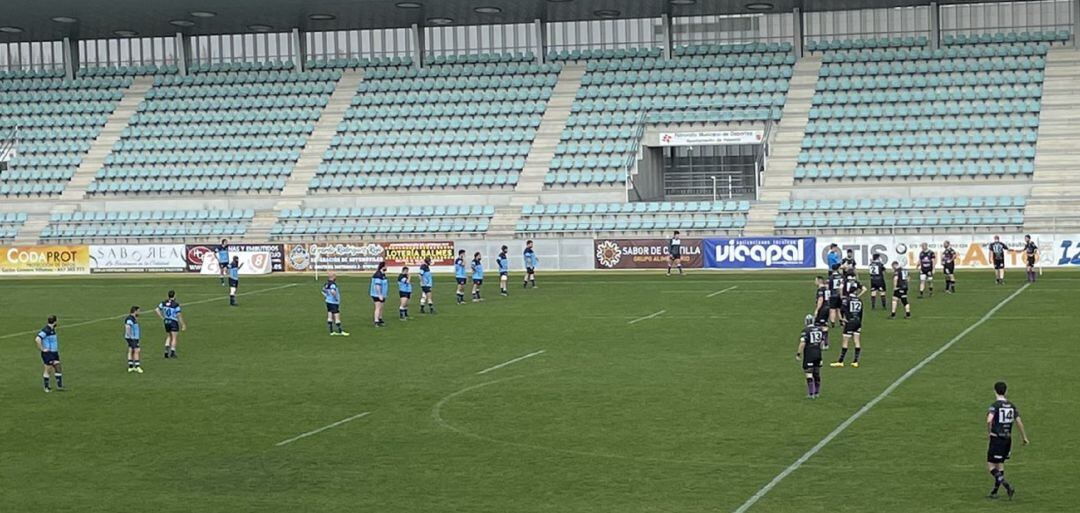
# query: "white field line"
{"type": "Point", "coordinates": [508, 362]}
{"type": "Point", "coordinates": [717, 293]}
{"type": "Point", "coordinates": [324, 428]}
{"type": "Point", "coordinates": [121, 316]}
{"type": "Point", "coordinates": [873, 402]}
{"type": "Point", "coordinates": [650, 316]}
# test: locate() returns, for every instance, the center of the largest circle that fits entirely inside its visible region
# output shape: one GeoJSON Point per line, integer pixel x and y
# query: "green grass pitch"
{"type": "Point", "coordinates": [692, 410]}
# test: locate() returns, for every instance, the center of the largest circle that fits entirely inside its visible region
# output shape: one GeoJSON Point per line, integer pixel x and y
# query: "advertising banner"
{"type": "Point", "coordinates": [196, 252]}
{"type": "Point", "coordinates": [759, 252]}
{"type": "Point", "coordinates": [711, 138]}
{"type": "Point", "coordinates": [44, 260]}
{"type": "Point", "coordinates": [138, 258]}
{"type": "Point", "coordinates": [971, 249]}
{"type": "Point", "coordinates": [643, 253]}
{"type": "Point", "coordinates": [364, 256]}
{"type": "Point", "coordinates": [251, 263]}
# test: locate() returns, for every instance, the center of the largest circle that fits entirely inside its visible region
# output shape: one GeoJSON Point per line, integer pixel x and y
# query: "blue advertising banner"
{"type": "Point", "coordinates": [759, 252]}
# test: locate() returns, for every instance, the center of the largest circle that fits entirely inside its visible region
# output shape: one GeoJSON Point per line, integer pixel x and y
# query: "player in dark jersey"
{"type": "Point", "coordinates": [851, 284]}
{"type": "Point", "coordinates": [948, 266]}
{"type": "Point", "coordinates": [852, 329]}
{"type": "Point", "coordinates": [927, 261]}
{"type": "Point", "coordinates": [131, 336]}
{"type": "Point", "coordinates": [811, 343]}
{"type": "Point", "coordinates": [674, 253]}
{"type": "Point", "coordinates": [877, 281]}
{"type": "Point", "coordinates": [822, 300]}
{"type": "Point", "coordinates": [997, 256]}
{"type": "Point", "coordinates": [1031, 252]}
{"type": "Point", "coordinates": [48, 345]}
{"type": "Point", "coordinates": [170, 313]}
{"type": "Point", "coordinates": [900, 286]}
{"type": "Point", "coordinates": [848, 262]}
{"type": "Point", "coordinates": [836, 287]}
{"type": "Point", "coordinates": [999, 422]}
{"type": "Point", "coordinates": [234, 279]}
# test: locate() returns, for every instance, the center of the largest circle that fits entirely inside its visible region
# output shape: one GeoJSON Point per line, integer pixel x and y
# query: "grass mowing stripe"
{"type": "Point", "coordinates": [324, 428]}
{"type": "Point", "coordinates": [650, 316]}
{"type": "Point", "coordinates": [121, 316]}
{"type": "Point", "coordinates": [717, 293]}
{"type": "Point", "coordinates": [515, 360]}
{"type": "Point", "coordinates": [873, 402]}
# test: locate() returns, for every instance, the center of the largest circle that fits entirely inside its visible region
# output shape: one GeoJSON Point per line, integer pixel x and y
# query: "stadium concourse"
{"type": "Point", "coordinates": [236, 172]}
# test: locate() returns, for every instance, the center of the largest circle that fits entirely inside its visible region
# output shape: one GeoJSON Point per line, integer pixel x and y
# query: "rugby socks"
{"type": "Point", "coordinates": [533, 282]}
{"type": "Point", "coordinates": [59, 380]}
{"type": "Point", "coordinates": [1031, 276]}
{"type": "Point", "coordinates": [810, 387]}
{"type": "Point", "coordinates": [45, 380]}
{"type": "Point", "coordinates": [843, 354]}
{"type": "Point", "coordinates": [422, 307]}
{"type": "Point", "coordinates": [137, 363]}
{"type": "Point", "coordinates": [401, 313]}
{"type": "Point", "coordinates": [330, 326]}
{"type": "Point", "coordinates": [858, 352]}
{"type": "Point", "coordinates": [999, 481]}
{"type": "Point", "coordinates": [131, 363]}
{"type": "Point", "coordinates": [460, 298]}
{"type": "Point", "coordinates": [817, 384]}
{"type": "Point", "coordinates": [680, 269]}
{"type": "Point", "coordinates": [338, 325]}
{"type": "Point", "coordinates": [882, 301]}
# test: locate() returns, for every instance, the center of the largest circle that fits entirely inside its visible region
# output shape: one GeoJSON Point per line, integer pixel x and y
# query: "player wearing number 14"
{"type": "Point", "coordinates": [999, 422]}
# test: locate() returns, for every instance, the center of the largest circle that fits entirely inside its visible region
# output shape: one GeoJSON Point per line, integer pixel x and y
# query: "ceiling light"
{"type": "Point", "coordinates": [682, 2]}
{"type": "Point", "coordinates": [259, 27]}
{"type": "Point", "coordinates": [759, 6]}
{"type": "Point", "coordinates": [488, 10]}
{"type": "Point", "coordinates": [125, 33]}
{"type": "Point", "coordinates": [203, 14]}
{"type": "Point", "coordinates": [65, 19]}
{"type": "Point", "coordinates": [321, 17]}
{"type": "Point", "coordinates": [182, 23]}
{"type": "Point", "coordinates": [11, 30]}
{"type": "Point", "coordinates": [409, 5]}
{"type": "Point", "coordinates": [607, 13]}
{"type": "Point", "coordinates": [440, 21]}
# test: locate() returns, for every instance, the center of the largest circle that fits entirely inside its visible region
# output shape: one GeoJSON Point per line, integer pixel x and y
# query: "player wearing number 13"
{"type": "Point", "coordinates": [999, 422]}
{"type": "Point", "coordinates": [809, 352]}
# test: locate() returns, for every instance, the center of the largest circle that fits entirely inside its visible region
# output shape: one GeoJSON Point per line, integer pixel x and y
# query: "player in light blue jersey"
{"type": "Point", "coordinates": [332, 296]}
{"type": "Point", "coordinates": [477, 277]}
{"type": "Point", "coordinates": [503, 263]}
{"type": "Point", "coordinates": [49, 346]}
{"type": "Point", "coordinates": [404, 284]}
{"type": "Point", "coordinates": [426, 282]}
{"type": "Point", "coordinates": [380, 287]}
{"type": "Point", "coordinates": [222, 253]}
{"type": "Point", "coordinates": [460, 276]}
{"type": "Point", "coordinates": [132, 332]}
{"type": "Point", "coordinates": [234, 279]}
{"type": "Point", "coordinates": [530, 265]}
{"type": "Point", "coordinates": [169, 311]}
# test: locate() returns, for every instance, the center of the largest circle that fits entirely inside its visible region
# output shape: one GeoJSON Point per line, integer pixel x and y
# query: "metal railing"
{"type": "Point", "coordinates": [631, 160]}
{"type": "Point", "coordinates": [8, 142]}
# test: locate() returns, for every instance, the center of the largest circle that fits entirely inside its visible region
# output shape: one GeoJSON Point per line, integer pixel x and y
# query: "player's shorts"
{"type": "Point", "coordinates": [949, 268]}
{"type": "Point", "coordinates": [834, 301]}
{"type": "Point", "coordinates": [234, 282]}
{"type": "Point", "coordinates": [900, 293]}
{"type": "Point", "coordinates": [478, 282]}
{"type": "Point", "coordinates": [133, 343]}
{"type": "Point", "coordinates": [171, 326]}
{"type": "Point", "coordinates": [504, 273]}
{"type": "Point", "coordinates": [877, 285]}
{"type": "Point", "coordinates": [333, 308]}
{"type": "Point", "coordinates": [404, 294]}
{"type": "Point", "coordinates": [223, 265]}
{"type": "Point", "coordinates": [822, 317]}
{"type": "Point", "coordinates": [377, 299]}
{"type": "Point", "coordinates": [530, 270]}
{"type": "Point", "coordinates": [926, 274]}
{"type": "Point", "coordinates": [852, 327]}
{"type": "Point", "coordinates": [675, 256]}
{"type": "Point", "coordinates": [1031, 261]}
{"type": "Point", "coordinates": [48, 357]}
{"type": "Point", "coordinates": [462, 281]}
{"type": "Point", "coordinates": [999, 263]}
{"type": "Point", "coordinates": [425, 289]}
{"type": "Point", "coordinates": [999, 449]}
{"type": "Point", "coordinates": [809, 364]}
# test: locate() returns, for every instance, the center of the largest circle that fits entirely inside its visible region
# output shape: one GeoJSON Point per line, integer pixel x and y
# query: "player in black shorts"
{"type": "Point", "coordinates": [927, 261]}
{"type": "Point", "coordinates": [848, 261]}
{"type": "Point", "coordinates": [674, 253]}
{"type": "Point", "coordinates": [822, 300]}
{"type": "Point", "coordinates": [999, 422]}
{"type": "Point", "coordinates": [836, 289]}
{"type": "Point", "coordinates": [948, 266]}
{"type": "Point", "coordinates": [853, 309]}
{"type": "Point", "coordinates": [900, 286]}
{"type": "Point", "coordinates": [997, 255]}
{"type": "Point", "coordinates": [809, 353]}
{"type": "Point", "coordinates": [1031, 252]}
{"type": "Point", "coordinates": [877, 281]}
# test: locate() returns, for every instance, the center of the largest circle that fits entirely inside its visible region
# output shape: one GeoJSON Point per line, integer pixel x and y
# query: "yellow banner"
{"type": "Point", "coordinates": [44, 260]}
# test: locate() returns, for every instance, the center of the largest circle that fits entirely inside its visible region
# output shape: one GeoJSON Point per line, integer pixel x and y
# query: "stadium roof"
{"type": "Point", "coordinates": [98, 19]}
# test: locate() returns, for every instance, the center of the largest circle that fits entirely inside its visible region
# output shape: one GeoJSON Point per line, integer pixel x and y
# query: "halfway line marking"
{"type": "Point", "coordinates": [320, 430]}
{"type": "Point", "coordinates": [650, 316]}
{"type": "Point", "coordinates": [115, 317]}
{"type": "Point", "coordinates": [717, 293]}
{"type": "Point", "coordinates": [515, 360]}
{"type": "Point", "coordinates": [873, 402]}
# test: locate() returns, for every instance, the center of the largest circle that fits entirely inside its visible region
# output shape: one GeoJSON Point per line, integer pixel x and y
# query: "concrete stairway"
{"type": "Point", "coordinates": [548, 135]}
{"type": "Point", "coordinates": [110, 134]}
{"type": "Point", "coordinates": [30, 231]}
{"type": "Point", "coordinates": [1054, 205]}
{"type": "Point", "coordinates": [325, 129]}
{"type": "Point", "coordinates": [503, 222]}
{"type": "Point", "coordinates": [259, 229]}
{"type": "Point", "coordinates": [779, 176]}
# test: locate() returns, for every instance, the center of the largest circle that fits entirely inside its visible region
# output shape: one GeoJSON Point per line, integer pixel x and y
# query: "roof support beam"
{"type": "Point", "coordinates": [71, 57]}
{"type": "Point", "coordinates": [299, 42]}
{"type": "Point", "coordinates": [665, 21]}
{"type": "Point", "coordinates": [797, 32]}
{"type": "Point", "coordinates": [183, 52]}
{"type": "Point", "coordinates": [417, 34]}
{"type": "Point", "coordinates": [935, 26]}
{"type": "Point", "coordinates": [539, 48]}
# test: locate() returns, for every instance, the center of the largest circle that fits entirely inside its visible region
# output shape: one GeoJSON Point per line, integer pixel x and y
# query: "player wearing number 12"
{"type": "Point", "coordinates": [999, 422]}
{"type": "Point", "coordinates": [852, 319]}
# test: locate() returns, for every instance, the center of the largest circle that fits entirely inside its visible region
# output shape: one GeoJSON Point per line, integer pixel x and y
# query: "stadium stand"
{"type": "Point", "coordinates": [567, 218]}
{"type": "Point", "coordinates": [225, 128]}
{"type": "Point", "coordinates": [145, 225]}
{"type": "Point", "coordinates": [458, 220]}
{"type": "Point", "coordinates": [55, 121]}
{"type": "Point", "coordinates": [10, 223]}
{"type": "Point", "coordinates": [897, 215]}
{"type": "Point", "coordinates": [459, 123]}
{"type": "Point", "coordinates": [623, 90]}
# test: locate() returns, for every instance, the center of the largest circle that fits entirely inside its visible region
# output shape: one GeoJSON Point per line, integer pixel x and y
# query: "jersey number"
{"type": "Point", "coordinates": [1006, 415]}
{"type": "Point", "coordinates": [855, 306]}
